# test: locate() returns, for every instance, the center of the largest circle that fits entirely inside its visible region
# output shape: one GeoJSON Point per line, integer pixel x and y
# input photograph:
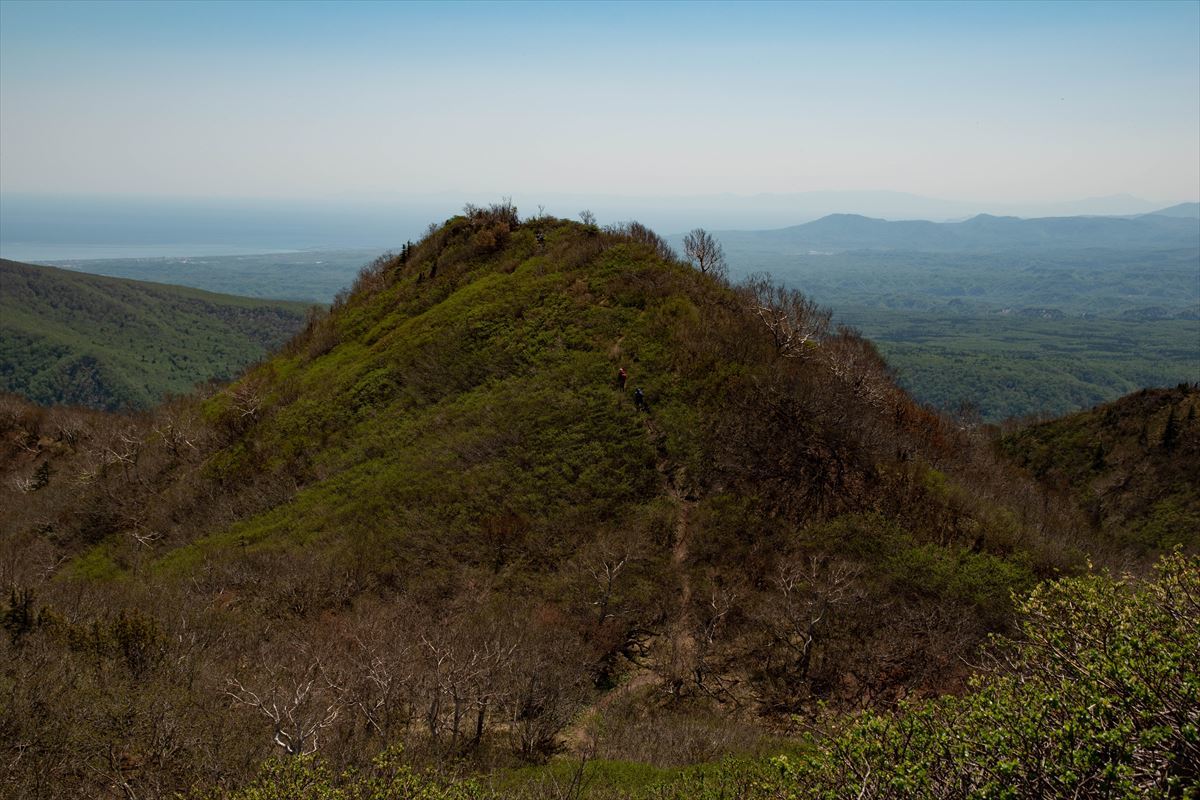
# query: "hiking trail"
{"type": "Point", "coordinates": [673, 652]}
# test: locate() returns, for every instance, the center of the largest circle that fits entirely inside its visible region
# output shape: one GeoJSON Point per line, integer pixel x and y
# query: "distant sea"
{"type": "Point", "coordinates": [47, 252]}
{"type": "Point", "coordinates": [45, 228]}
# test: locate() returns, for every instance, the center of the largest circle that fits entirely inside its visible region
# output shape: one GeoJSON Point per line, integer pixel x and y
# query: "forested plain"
{"type": "Point", "coordinates": [434, 548]}
{"type": "Point", "coordinates": [999, 366]}
{"type": "Point", "coordinates": [1007, 332]}
{"type": "Point", "coordinates": [306, 275]}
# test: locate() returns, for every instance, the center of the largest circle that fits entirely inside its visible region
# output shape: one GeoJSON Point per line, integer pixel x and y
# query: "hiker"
{"type": "Point", "coordinates": [541, 239]}
{"type": "Point", "coordinates": [621, 378]}
{"type": "Point", "coordinates": [639, 400]}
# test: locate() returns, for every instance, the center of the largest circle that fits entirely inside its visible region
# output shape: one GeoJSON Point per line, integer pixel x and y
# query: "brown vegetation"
{"type": "Point", "coordinates": [433, 520]}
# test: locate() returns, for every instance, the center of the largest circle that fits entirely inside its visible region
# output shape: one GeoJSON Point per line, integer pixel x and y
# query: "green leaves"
{"type": "Point", "coordinates": [1098, 696]}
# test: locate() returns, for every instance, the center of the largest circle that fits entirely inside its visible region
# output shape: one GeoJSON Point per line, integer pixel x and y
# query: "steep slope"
{"type": "Point", "coordinates": [435, 519]}
{"type": "Point", "coordinates": [1131, 465]}
{"type": "Point", "coordinates": [67, 337]}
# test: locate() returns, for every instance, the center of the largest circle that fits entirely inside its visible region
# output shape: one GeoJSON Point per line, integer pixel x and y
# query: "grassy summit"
{"type": "Point", "coordinates": [434, 520]}
{"type": "Point", "coordinates": [68, 337]}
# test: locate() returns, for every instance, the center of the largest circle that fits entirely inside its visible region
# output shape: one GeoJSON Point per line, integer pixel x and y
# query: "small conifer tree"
{"type": "Point", "coordinates": [1170, 436]}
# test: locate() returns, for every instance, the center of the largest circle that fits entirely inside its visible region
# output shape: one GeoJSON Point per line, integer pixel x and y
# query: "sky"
{"type": "Point", "coordinates": [1009, 102]}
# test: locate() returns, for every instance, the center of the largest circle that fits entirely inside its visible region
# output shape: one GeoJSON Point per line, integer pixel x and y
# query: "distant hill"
{"type": "Point", "coordinates": [108, 343]}
{"type": "Point", "coordinates": [1130, 464]}
{"type": "Point", "coordinates": [1186, 210]}
{"type": "Point", "coordinates": [841, 232]}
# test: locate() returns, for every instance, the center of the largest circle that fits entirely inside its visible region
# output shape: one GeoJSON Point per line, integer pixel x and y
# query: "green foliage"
{"type": "Point", "coordinates": [1096, 698]}
{"type": "Point", "coordinates": [82, 339]}
{"type": "Point", "coordinates": [97, 564]}
{"type": "Point", "coordinates": [1141, 494]}
{"type": "Point", "coordinates": [388, 778]}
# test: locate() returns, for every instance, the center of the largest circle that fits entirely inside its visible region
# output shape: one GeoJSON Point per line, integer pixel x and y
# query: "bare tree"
{"type": "Point", "coordinates": [711, 623]}
{"type": "Point", "coordinates": [803, 614]}
{"type": "Point", "coordinates": [637, 232]}
{"type": "Point", "coordinates": [299, 705]}
{"type": "Point", "coordinates": [856, 362]}
{"type": "Point", "coordinates": [605, 573]}
{"type": "Point", "coordinates": [705, 253]}
{"type": "Point", "coordinates": [384, 667]}
{"type": "Point", "coordinates": [795, 322]}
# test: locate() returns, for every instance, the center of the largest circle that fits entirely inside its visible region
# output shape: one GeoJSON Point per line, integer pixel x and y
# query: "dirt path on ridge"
{"type": "Point", "coordinates": [676, 647]}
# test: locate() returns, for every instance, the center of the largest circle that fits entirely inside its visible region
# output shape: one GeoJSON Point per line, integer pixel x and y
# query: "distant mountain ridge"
{"type": "Point", "coordinates": [840, 232]}
{"type": "Point", "coordinates": [1186, 210]}
{"type": "Point", "coordinates": [42, 228]}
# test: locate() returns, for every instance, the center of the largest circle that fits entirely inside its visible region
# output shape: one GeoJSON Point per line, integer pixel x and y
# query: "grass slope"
{"type": "Point", "coordinates": [67, 337]}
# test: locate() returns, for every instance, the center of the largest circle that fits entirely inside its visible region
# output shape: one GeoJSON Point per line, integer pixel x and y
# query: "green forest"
{"type": "Point", "coordinates": [435, 547]}
{"type": "Point", "coordinates": [108, 343]}
{"type": "Point", "coordinates": [1009, 333]}
{"type": "Point", "coordinates": [1115, 284]}
{"type": "Point", "coordinates": [1012, 365]}
{"type": "Point", "coordinates": [314, 276]}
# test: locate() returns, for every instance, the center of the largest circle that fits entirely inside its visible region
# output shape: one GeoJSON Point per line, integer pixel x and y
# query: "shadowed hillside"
{"type": "Point", "coordinates": [1130, 465]}
{"type": "Point", "coordinates": [79, 339]}
{"type": "Point", "coordinates": [436, 520]}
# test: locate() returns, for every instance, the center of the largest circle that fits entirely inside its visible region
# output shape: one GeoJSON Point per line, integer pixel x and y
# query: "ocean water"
{"type": "Point", "coordinates": [43, 228]}
{"type": "Point", "coordinates": [46, 252]}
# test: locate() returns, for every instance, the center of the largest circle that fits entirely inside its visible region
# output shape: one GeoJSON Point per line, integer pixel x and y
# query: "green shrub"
{"type": "Point", "coordinates": [1098, 697]}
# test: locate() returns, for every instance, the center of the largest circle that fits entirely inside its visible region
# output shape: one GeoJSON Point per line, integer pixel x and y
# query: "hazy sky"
{"type": "Point", "coordinates": [1009, 102]}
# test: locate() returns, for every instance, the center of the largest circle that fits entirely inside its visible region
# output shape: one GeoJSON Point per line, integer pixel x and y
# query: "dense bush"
{"type": "Point", "coordinates": [1099, 696]}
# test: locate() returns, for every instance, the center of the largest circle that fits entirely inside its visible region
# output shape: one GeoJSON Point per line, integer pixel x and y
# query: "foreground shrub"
{"type": "Point", "coordinates": [304, 778]}
{"type": "Point", "coordinates": [1099, 697]}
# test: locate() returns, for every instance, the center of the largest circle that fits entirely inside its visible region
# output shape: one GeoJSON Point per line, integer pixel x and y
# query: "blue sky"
{"type": "Point", "coordinates": [1008, 102]}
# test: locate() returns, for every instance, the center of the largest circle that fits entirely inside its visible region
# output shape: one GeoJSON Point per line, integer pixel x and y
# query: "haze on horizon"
{"type": "Point", "coordinates": [1009, 103]}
